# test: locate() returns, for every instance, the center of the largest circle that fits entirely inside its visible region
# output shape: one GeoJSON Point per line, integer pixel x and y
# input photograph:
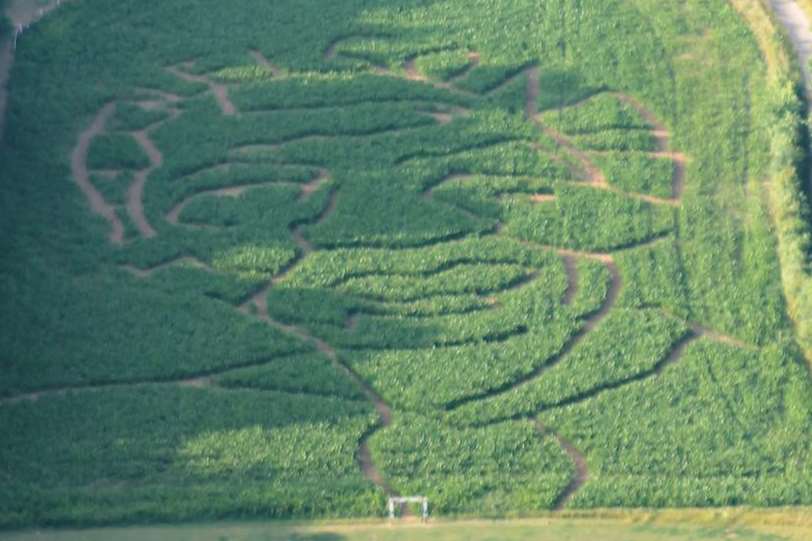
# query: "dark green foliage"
{"type": "Point", "coordinates": [317, 90]}
{"type": "Point", "coordinates": [703, 433]}
{"type": "Point", "coordinates": [131, 117]}
{"type": "Point", "coordinates": [141, 331]}
{"type": "Point", "coordinates": [116, 151]}
{"type": "Point", "coordinates": [572, 220]}
{"type": "Point", "coordinates": [486, 471]}
{"type": "Point", "coordinates": [444, 65]}
{"type": "Point", "coordinates": [629, 344]}
{"type": "Point", "coordinates": [561, 88]}
{"type": "Point", "coordinates": [602, 112]}
{"type": "Point", "coordinates": [635, 172]}
{"type": "Point", "coordinates": [617, 139]}
{"type": "Point", "coordinates": [186, 448]}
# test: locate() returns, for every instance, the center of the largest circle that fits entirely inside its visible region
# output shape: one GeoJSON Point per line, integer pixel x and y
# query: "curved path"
{"type": "Point", "coordinates": [219, 90]}
{"type": "Point", "coordinates": [597, 179]}
{"type": "Point", "coordinates": [581, 474]}
{"type": "Point", "coordinates": [257, 305]}
{"type": "Point", "coordinates": [81, 175]}
{"type": "Point", "coordinates": [135, 195]}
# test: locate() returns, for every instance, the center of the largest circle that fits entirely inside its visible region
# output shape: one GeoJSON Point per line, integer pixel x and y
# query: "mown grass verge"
{"type": "Point", "coordinates": [786, 200]}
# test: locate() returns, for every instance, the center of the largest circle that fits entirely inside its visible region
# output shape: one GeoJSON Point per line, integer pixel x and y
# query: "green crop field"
{"type": "Point", "coordinates": [286, 259]}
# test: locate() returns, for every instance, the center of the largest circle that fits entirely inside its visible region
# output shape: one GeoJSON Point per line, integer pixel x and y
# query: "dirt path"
{"type": "Point", "coordinates": [135, 195]}
{"type": "Point", "coordinates": [199, 379]}
{"type": "Point", "coordinates": [220, 91]}
{"type": "Point", "coordinates": [571, 269]}
{"type": "Point", "coordinates": [265, 63]}
{"type": "Point", "coordinates": [173, 216]}
{"type": "Point", "coordinates": [363, 454]}
{"type": "Point", "coordinates": [581, 474]}
{"type": "Point", "coordinates": [178, 262]}
{"type": "Point", "coordinates": [81, 176]}
{"type": "Point", "coordinates": [589, 325]}
{"type": "Point", "coordinates": [663, 138]}
{"type": "Point", "coordinates": [257, 306]}
{"type": "Point", "coordinates": [531, 104]}
{"type": "Point", "coordinates": [793, 18]}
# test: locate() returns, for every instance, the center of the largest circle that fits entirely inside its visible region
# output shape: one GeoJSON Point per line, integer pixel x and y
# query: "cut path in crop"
{"type": "Point", "coordinates": [220, 91]}
{"type": "Point", "coordinates": [581, 474]}
{"type": "Point", "coordinates": [257, 306]}
{"type": "Point", "coordinates": [305, 191]}
{"type": "Point", "coordinates": [588, 326]}
{"type": "Point", "coordinates": [592, 173]}
{"type": "Point", "coordinates": [183, 261]}
{"type": "Point", "coordinates": [663, 137]}
{"type": "Point", "coordinates": [265, 63]}
{"type": "Point", "coordinates": [204, 378]}
{"type": "Point", "coordinates": [135, 195]}
{"type": "Point", "coordinates": [363, 454]}
{"type": "Point", "coordinates": [81, 175]}
{"type": "Point", "coordinates": [571, 268]}
{"type": "Point", "coordinates": [580, 161]}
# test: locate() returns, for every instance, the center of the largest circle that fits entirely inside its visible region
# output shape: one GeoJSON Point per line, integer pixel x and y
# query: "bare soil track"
{"type": "Point", "coordinates": [219, 90]}
{"type": "Point", "coordinates": [81, 175]}
{"type": "Point", "coordinates": [581, 474]}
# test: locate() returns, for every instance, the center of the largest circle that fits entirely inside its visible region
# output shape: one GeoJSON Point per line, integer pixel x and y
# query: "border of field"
{"type": "Point", "coordinates": [795, 521]}
{"type": "Point", "coordinates": [785, 197]}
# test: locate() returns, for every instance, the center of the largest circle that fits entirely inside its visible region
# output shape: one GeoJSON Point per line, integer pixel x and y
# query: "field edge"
{"type": "Point", "coordinates": [785, 196]}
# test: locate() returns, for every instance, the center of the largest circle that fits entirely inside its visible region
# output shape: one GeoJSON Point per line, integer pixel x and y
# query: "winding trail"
{"type": "Point", "coordinates": [219, 90]}
{"type": "Point", "coordinates": [81, 175]}
{"type": "Point", "coordinates": [663, 138]}
{"type": "Point", "coordinates": [257, 306]}
{"type": "Point", "coordinates": [571, 269]}
{"type": "Point", "coordinates": [135, 193]}
{"type": "Point", "coordinates": [363, 454]}
{"type": "Point", "coordinates": [581, 474]}
{"type": "Point", "coordinates": [305, 191]}
{"type": "Point", "coordinates": [203, 378]}
{"type": "Point", "coordinates": [177, 262]}
{"type": "Point", "coordinates": [265, 63]}
{"type": "Point", "coordinates": [589, 325]}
